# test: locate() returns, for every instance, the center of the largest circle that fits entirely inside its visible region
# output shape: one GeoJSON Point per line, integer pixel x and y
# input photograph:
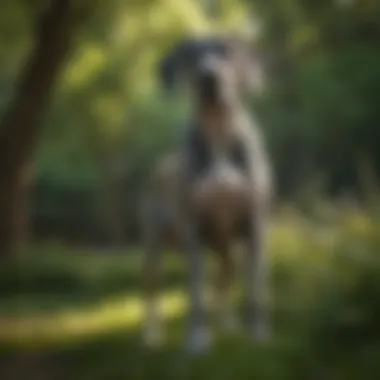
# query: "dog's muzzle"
{"type": "Point", "coordinates": [208, 87]}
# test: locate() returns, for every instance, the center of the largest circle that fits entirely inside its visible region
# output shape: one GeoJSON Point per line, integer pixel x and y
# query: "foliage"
{"type": "Point", "coordinates": [110, 122]}
{"type": "Point", "coordinates": [108, 126]}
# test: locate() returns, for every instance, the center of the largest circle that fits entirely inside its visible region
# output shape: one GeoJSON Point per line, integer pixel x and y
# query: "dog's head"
{"type": "Point", "coordinates": [218, 68]}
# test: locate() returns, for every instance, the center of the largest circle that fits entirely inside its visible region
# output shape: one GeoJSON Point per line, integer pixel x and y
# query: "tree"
{"type": "Point", "coordinates": [21, 124]}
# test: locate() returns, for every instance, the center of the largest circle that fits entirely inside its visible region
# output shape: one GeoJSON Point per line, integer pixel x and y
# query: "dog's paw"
{"type": "Point", "coordinates": [198, 342]}
{"type": "Point", "coordinates": [152, 338]}
{"type": "Point", "coordinates": [229, 323]}
{"type": "Point", "coordinates": [260, 332]}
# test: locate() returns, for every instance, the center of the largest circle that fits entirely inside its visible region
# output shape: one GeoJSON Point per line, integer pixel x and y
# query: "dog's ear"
{"type": "Point", "coordinates": [250, 63]}
{"type": "Point", "coordinates": [176, 63]}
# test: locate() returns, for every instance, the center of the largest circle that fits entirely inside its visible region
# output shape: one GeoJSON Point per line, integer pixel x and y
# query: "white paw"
{"type": "Point", "coordinates": [229, 323]}
{"type": "Point", "coordinates": [199, 341]}
{"type": "Point", "coordinates": [260, 332]}
{"type": "Point", "coordinates": [152, 337]}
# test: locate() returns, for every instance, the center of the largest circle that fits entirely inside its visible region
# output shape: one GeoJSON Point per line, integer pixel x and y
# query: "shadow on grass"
{"type": "Point", "coordinates": [119, 355]}
{"type": "Point", "coordinates": [72, 315]}
{"type": "Point", "coordinates": [102, 342]}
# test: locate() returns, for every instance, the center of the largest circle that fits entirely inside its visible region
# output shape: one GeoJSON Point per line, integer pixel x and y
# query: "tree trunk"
{"type": "Point", "coordinates": [22, 121]}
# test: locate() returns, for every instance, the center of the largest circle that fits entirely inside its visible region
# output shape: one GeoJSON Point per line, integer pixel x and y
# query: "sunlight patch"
{"type": "Point", "coordinates": [124, 313]}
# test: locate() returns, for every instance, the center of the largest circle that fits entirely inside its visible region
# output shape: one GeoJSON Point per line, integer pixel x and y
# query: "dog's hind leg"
{"type": "Point", "coordinates": [257, 286]}
{"type": "Point", "coordinates": [199, 336]}
{"type": "Point", "coordinates": [224, 305]}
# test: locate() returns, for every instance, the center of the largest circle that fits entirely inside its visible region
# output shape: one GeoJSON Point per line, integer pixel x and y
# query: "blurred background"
{"type": "Point", "coordinates": [83, 122]}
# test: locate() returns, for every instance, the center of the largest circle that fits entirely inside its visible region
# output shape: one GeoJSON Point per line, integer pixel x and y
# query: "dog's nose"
{"type": "Point", "coordinates": [208, 83]}
{"type": "Point", "coordinates": [208, 79]}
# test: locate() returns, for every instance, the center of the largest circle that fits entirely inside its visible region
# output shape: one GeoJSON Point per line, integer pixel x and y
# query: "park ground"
{"type": "Point", "coordinates": [70, 313]}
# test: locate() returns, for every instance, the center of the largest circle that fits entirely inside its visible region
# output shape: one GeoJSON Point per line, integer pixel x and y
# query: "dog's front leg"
{"type": "Point", "coordinates": [257, 286]}
{"type": "Point", "coordinates": [257, 271]}
{"type": "Point", "coordinates": [198, 338]}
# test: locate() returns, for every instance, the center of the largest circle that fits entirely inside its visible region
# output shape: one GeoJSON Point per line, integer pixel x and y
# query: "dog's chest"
{"type": "Point", "coordinates": [220, 187]}
{"type": "Point", "coordinates": [216, 150]}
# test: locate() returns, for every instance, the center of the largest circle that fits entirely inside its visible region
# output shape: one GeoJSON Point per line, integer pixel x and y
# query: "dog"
{"type": "Point", "coordinates": [214, 191]}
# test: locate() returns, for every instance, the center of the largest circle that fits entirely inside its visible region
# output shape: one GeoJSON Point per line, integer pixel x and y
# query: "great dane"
{"type": "Point", "coordinates": [214, 191]}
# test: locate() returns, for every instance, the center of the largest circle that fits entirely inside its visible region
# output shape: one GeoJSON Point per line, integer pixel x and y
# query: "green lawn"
{"type": "Point", "coordinates": [75, 314]}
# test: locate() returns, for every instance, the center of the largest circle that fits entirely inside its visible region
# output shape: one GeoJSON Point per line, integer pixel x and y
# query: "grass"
{"type": "Point", "coordinates": [75, 314]}
{"type": "Point", "coordinates": [123, 312]}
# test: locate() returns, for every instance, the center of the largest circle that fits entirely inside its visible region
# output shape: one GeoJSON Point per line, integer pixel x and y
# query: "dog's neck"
{"type": "Point", "coordinates": [213, 118]}
{"type": "Point", "coordinates": [216, 122]}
